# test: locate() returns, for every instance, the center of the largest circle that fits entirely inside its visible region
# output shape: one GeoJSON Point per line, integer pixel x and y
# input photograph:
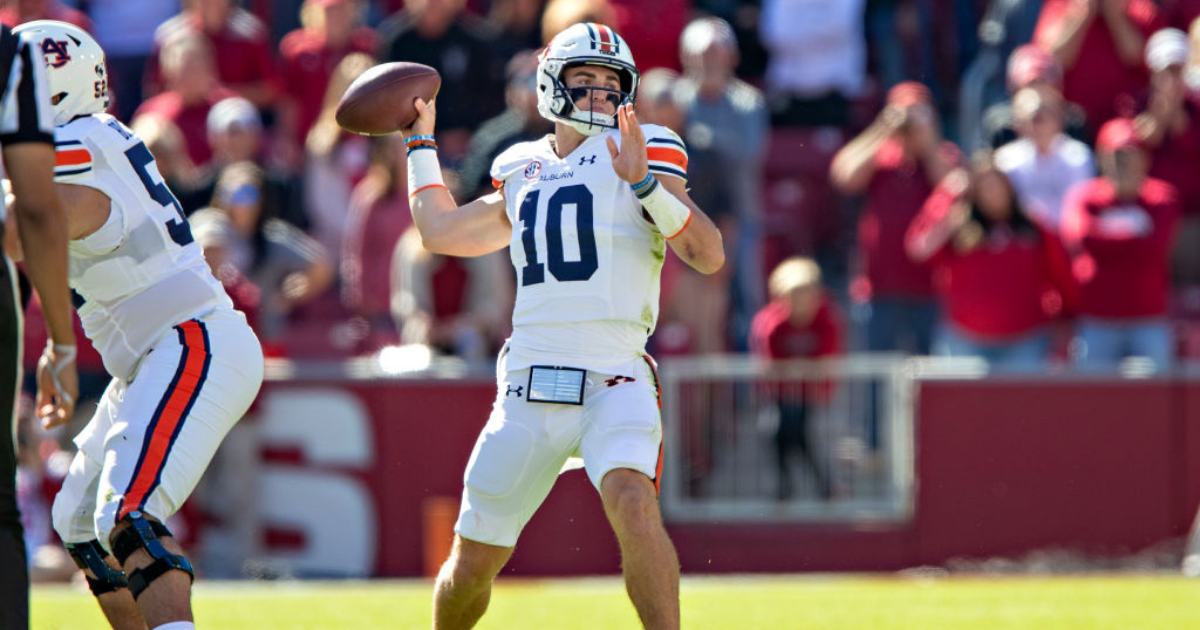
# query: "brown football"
{"type": "Point", "coordinates": [380, 100]}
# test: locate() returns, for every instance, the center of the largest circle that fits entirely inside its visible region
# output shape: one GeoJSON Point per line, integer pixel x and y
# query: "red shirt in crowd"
{"type": "Point", "coordinates": [773, 335]}
{"type": "Point", "coordinates": [1121, 248]}
{"type": "Point", "coordinates": [373, 226]}
{"type": "Point", "coordinates": [192, 120]}
{"type": "Point", "coordinates": [895, 195]}
{"type": "Point", "coordinates": [11, 15]}
{"type": "Point", "coordinates": [1177, 162]}
{"type": "Point", "coordinates": [307, 62]}
{"type": "Point", "coordinates": [242, 49]}
{"type": "Point", "coordinates": [1007, 285]}
{"type": "Point", "coordinates": [1099, 78]}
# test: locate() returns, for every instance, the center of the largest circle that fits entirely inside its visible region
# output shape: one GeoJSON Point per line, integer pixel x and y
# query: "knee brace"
{"type": "Point", "coordinates": [90, 556]}
{"type": "Point", "coordinates": [145, 534]}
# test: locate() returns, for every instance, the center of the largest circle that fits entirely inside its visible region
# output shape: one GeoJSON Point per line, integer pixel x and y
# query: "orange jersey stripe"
{"type": "Point", "coordinates": [666, 154]}
{"type": "Point", "coordinates": [172, 414]}
{"type": "Point", "coordinates": [497, 183]}
{"type": "Point", "coordinates": [72, 157]}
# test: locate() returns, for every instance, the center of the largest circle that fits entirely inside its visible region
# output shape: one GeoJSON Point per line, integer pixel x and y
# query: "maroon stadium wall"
{"type": "Point", "coordinates": [1003, 467]}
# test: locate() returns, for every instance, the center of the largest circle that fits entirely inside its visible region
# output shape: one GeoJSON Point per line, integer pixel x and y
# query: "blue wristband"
{"type": "Point", "coordinates": [644, 183]}
{"type": "Point", "coordinates": [422, 137]}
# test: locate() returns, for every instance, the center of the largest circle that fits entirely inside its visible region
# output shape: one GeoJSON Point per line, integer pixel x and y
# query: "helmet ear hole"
{"type": "Point", "coordinates": [57, 98]}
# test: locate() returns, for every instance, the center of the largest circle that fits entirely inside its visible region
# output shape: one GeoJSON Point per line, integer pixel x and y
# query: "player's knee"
{"type": "Point", "coordinates": [136, 532]}
{"type": "Point", "coordinates": [92, 558]}
{"type": "Point", "coordinates": [474, 565]}
{"type": "Point", "coordinates": [628, 496]}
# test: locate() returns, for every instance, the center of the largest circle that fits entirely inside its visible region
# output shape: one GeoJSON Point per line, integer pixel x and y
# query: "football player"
{"type": "Point", "coordinates": [185, 364]}
{"type": "Point", "coordinates": [587, 213]}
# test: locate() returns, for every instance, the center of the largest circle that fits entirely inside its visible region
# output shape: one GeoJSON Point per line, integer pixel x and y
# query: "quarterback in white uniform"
{"type": "Point", "coordinates": [587, 213]}
{"type": "Point", "coordinates": [185, 364]}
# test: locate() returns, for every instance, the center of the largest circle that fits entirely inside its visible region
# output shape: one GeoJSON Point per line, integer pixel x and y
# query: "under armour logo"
{"type": "Point", "coordinates": [617, 380]}
{"type": "Point", "coordinates": [514, 390]}
{"type": "Point", "coordinates": [590, 159]}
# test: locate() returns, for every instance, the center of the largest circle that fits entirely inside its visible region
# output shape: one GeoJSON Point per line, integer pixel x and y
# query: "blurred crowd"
{"type": "Point", "coordinates": [1009, 179]}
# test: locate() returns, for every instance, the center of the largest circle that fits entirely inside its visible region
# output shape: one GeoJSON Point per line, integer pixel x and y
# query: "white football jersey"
{"type": "Point", "coordinates": [141, 273]}
{"type": "Point", "coordinates": [587, 260]}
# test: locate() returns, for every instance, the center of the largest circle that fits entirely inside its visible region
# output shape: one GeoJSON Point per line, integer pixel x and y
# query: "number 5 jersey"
{"type": "Point", "coordinates": [140, 273]}
{"type": "Point", "coordinates": [587, 259]}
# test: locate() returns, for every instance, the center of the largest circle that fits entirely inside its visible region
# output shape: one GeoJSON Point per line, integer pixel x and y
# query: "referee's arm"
{"type": "Point", "coordinates": [27, 145]}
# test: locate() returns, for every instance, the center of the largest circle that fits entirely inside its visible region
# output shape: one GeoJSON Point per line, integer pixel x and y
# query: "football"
{"type": "Point", "coordinates": [380, 100]}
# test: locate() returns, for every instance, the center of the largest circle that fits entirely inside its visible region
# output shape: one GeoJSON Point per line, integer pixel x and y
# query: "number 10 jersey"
{"type": "Point", "coordinates": [140, 273]}
{"type": "Point", "coordinates": [587, 260]}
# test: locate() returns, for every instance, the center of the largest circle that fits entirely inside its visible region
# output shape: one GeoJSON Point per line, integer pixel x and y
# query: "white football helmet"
{"type": "Point", "coordinates": [75, 68]}
{"type": "Point", "coordinates": [583, 44]}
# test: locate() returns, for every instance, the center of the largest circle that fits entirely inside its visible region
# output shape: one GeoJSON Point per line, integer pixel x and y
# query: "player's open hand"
{"type": "Point", "coordinates": [426, 117]}
{"type": "Point", "coordinates": [58, 386]}
{"type": "Point", "coordinates": [630, 161]}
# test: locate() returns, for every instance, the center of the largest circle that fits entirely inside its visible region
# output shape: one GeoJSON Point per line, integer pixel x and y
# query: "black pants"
{"type": "Point", "coordinates": [14, 574]}
{"type": "Point", "coordinates": [792, 437]}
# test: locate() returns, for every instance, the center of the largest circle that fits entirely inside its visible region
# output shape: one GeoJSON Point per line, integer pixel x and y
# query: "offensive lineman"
{"type": "Point", "coordinates": [587, 213]}
{"type": "Point", "coordinates": [185, 364]}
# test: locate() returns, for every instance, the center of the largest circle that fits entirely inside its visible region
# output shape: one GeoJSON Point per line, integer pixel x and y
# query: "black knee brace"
{"type": "Point", "coordinates": [90, 556]}
{"type": "Point", "coordinates": [144, 534]}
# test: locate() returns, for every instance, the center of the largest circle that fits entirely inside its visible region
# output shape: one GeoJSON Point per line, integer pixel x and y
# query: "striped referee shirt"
{"type": "Point", "coordinates": [26, 114]}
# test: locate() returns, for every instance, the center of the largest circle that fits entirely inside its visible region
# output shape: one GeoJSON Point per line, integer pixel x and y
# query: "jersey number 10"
{"type": "Point", "coordinates": [563, 270]}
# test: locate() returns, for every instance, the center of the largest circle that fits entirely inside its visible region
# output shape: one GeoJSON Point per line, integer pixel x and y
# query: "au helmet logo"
{"type": "Point", "coordinates": [55, 52]}
{"type": "Point", "coordinates": [533, 169]}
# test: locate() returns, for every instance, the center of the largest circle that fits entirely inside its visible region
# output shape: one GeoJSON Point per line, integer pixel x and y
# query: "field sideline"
{"type": "Point", "coordinates": [827, 602]}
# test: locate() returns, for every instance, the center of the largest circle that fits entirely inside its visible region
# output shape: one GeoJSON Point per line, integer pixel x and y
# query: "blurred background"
{"type": "Point", "coordinates": [959, 318]}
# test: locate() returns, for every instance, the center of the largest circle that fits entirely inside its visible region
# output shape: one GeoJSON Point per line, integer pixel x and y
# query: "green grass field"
{"type": "Point", "coordinates": [826, 602]}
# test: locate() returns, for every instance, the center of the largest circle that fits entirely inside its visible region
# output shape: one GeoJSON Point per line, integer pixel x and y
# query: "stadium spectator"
{"type": "Point", "coordinates": [726, 124]}
{"type": "Point", "coordinates": [287, 266]}
{"type": "Point", "coordinates": [800, 322]}
{"type": "Point", "coordinates": [1170, 131]}
{"type": "Point", "coordinates": [654, 39]}
{"type": "Point", "coordinates": [519, 23]}
{"type": "Point", "coordinates": [1002, 275]}
{"type": "Point", "coordinates": [378, 216]}
{"type": "Point", "coordinates": [457, 306]}
{"type": "Point", "coordinates": [22, 11]}
{"type": "Point", "coordinates": [242, 53]}
{"type": "Point", "coordinates": [520, 122]}
{"type": "Point", "coordinates": [192, 90]}
{"type": "Point", "coordinates": [125, 28]}
{"type": "Point", "coordinates": [309, 55]}
{"type": "Point", "coordinates": [465, 50]}
{"type": "Point", "coordinates": [896, 162]}
{"type": "Point", "coordinates": [560, 14]}
{"type": "Point", "coordinates": [335, 160]}
{"type": "Point", "coordinates": [657, 101]}
{"type": "Point", "coordinates": [1030, 66]}
{"type": "Point", "coordinates": [169, 148]}
{"type": "Point", "coordinates": [818, 59]}
{"type": "Point", "coordinates": [1099, 44]}
{"type": "Point", "coordinates": [1044, 163]}
{"type": "Point", "coordinates": [1119, 228]}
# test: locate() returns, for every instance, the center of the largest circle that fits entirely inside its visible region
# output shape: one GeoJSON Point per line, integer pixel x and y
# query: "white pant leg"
{"type": "Point", "coordinates": [189, 391]}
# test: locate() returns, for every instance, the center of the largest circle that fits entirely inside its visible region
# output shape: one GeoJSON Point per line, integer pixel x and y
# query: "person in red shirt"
{"type": "Point", "coordinates": [896, 162]}
{"type": "Point", "coordinates": [1099, 44]}
{"type": "Point", "coordinates": [800, 322]}
{"type": "Point", "coordinates": [1001, 275]}
{"type": "Point", "coordinates": [22, 11]}
{"type": "Point", "coordinates": [1120, 228]}
{"type": "Point", "coordinates": [243, 54]}
{"type": "Point", "coordinates": [332, 29]}
{"type": "Point", "coordinates": [192, 90]}
{"type": "Point", "coordinates": [1170, 131]}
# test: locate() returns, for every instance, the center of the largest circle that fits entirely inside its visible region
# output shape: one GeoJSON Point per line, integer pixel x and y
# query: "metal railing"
{"type": "Point", "coordinates": [845, 427]}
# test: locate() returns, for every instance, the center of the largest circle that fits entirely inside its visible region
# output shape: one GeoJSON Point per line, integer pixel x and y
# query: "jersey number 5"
{"type": "Point", "coordinates": [141, 159]}
{"type": "Point", "coordinates": [563, 270]}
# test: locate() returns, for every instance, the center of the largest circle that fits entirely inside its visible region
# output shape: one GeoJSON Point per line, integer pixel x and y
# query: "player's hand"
{"type": "Point", "coordinates": [58, 385]}
{"type": "Point", "coordinates": [630, 161]}
{"type": "Point", "coordinates": [426, 117]}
